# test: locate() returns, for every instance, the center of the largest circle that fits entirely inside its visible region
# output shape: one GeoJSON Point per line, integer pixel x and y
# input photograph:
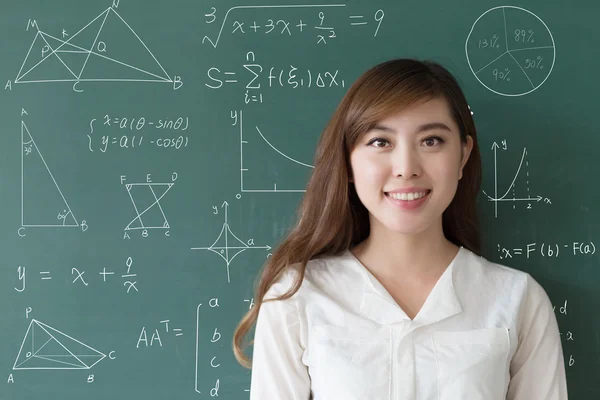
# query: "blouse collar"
{"type": "Point", "coordinates": [378, 305]}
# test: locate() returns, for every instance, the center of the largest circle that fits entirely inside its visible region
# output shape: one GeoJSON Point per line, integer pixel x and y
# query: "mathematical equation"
{"type": "Point", "coordinates": [137, 124]}
{"type": "Point", "coordinates": [79, 279]}
{"type": "Point", "coordinates": [315, 24]}
{"type": "Point", "coordinates": [548, 250]}
{"type": "Point", "coordinates": [143, 338]}
{"type": "Point", "coordinates": [286, 77]}
{"type": "Point", "coordinates": [130, 142]}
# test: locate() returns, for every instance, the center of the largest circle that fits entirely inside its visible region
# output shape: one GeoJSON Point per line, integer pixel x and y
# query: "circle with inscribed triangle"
{"type": "Point", "coordinates": [510, 50]}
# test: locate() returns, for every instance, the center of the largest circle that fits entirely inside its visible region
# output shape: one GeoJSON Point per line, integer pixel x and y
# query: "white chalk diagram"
{"type": "Point", "coordinates": [227, 245]}
{"type": "Point", "coordinates": [47, 348]}
{"type": "Point", "coordinates": [290, 6]}
{"type": "Point", "coordinates": [510, 50]}
{"type": "Point", "coordinates": [149, 212]}
{"type": "Point", "coordinates": [285, 158]}
{"type": "Point", "coordinates": [106, 49]}
{"type": "Point", "coordinates": [522, 170]}
{"type": "Point", "coordinates": [48, 205]}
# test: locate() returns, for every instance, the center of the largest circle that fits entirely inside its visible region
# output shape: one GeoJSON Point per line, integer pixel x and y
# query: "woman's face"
{"type": "Point", "coordinates": [418, 150]}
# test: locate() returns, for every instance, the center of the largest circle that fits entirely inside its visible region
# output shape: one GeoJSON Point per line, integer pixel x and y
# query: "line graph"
{"type": "Point", "coordinates": [282, 160]}
{"type": "Point", "coordinates": [522, 171]}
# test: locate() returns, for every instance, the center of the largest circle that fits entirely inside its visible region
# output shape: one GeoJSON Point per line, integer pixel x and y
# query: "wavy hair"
{"type": "Point", "coordinates": [331, 218]}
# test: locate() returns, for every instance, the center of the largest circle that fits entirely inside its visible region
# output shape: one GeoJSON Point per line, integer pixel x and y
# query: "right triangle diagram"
{"type": "Point", "coordinates": [47, 348]}
{"type": "Point", "coordinates": [106, 49]}
{"type": "Point", "coordinates": [42, 202]}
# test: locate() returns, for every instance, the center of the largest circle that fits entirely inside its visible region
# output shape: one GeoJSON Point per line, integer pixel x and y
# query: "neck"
{"type": "Point", "coordinates": [415, 257]}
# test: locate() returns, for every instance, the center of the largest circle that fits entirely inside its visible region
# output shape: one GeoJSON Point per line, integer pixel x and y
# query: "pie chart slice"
{"type": "Point", "coordinates": [504, 76]}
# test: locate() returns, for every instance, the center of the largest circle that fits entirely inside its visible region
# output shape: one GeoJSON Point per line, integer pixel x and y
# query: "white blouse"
{"type": "Point", "coordinates": [486, 332]}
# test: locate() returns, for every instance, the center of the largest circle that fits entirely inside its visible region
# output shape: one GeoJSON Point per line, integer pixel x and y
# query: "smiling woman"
{"type": "Point", "coordinates": [407, 155]}
{"type": "Point", "coordinates": [380, 291]}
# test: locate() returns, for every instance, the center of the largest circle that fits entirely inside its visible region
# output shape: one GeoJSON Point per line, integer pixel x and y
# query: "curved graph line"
{"type": "Point", "coordinates": [234, 256]}
{"type": "Point", "coordinates": [149, 207]}
{"type": "Point", "coordinates": [226, 260]}
{"type": "Point", "coordinates": [286, 156]}
{"type": "Point", "coordinates": [218, 237]}
{"type": "Point", "coordinates": [225, 228]}
{"type": "Point", "coordinates": [238, 239]}
{"type": "Point", "coordinates": [214, 44]}
{"type": "Point", "coordinates": [514, 179]}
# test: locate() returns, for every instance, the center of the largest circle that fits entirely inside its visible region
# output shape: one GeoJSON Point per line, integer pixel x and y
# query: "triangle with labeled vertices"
{"type": "Point", "coordinates": [42, 201]}
{"type": "Point", "coordinates": [47, 348]}
{"type": "Point", "coordinates": [106, 49]}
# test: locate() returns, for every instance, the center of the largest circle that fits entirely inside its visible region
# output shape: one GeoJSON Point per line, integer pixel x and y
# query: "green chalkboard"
{"type": "Point", "coordinates": [153, 153]}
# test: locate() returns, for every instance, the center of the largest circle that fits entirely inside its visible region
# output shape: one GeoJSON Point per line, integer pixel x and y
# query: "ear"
{"type": "Point", "coordinates": [465, 153]}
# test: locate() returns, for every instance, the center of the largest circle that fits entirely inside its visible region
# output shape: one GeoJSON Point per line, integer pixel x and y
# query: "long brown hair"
{"type": "Point", "coordinates": [331, 217]}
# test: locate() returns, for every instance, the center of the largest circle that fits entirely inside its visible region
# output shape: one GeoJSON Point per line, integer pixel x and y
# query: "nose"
{"type": "Point", "coordinates": [406, 161]}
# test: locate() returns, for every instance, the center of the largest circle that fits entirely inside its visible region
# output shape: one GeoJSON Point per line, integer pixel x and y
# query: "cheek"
{"type": "Point", "coordinates": [448, 174]}
{"type": "Point", "coordinates": [368, 172]}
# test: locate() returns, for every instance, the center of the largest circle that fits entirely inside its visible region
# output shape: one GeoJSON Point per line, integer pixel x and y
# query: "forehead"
{"type": "Point", "coordinates": [433, 110]}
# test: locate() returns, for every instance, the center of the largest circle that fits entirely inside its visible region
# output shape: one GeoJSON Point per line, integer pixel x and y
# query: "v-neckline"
{"type": "Point", "coordinates": [380, 290]}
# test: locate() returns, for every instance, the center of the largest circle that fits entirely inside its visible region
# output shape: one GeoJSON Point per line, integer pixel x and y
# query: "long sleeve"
{"type": "Point", "coordinates": [277, 368]}
{"type": "Point", "coordinates": [537, 369]}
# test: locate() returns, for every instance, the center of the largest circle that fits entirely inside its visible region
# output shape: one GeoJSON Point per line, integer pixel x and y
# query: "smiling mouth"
{"type": "Point", "coordinates": [408, 196]}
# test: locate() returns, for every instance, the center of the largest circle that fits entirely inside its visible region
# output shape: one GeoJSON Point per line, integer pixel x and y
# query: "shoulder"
{"type": "Point", "coordinates": [479, 279]}
{"type": "Point", "coordinates": [476, 268]}
{"type": "Point", "coordinates": [492, 270]}
{"type": "Point", "coordinates": [320, 275]}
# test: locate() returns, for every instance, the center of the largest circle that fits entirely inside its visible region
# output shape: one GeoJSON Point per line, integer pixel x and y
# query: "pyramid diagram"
{"type": "Point", "coordinates": [106, 49]}
{"type": "Point", "coordinates": [42, 202]}
{"type": "Point", "coordinates": [47, 348]}
{"type": "Point", "coordinates": [145, 198]}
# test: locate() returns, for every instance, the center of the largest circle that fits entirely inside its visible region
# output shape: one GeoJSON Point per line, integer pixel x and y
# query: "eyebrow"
{"type": "Point", "coordinates": [422, 128]}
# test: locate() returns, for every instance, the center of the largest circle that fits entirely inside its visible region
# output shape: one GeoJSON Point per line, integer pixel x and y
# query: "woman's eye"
{"type": "Point", "coordinates": [431, 141]}
{"type": "Point", "coordinates": [377, 142]}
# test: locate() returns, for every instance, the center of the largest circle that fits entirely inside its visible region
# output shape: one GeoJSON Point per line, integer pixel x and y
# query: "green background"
{"type": "Point", "coordinates": [539, 111]}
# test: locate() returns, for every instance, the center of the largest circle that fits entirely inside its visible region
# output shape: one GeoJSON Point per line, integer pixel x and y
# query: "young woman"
{"type": "Point", "coordinates": [380, 292]}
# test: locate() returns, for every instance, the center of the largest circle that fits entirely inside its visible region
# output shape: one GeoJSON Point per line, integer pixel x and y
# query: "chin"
{"type": "Point", "coordinates": [405, 228]}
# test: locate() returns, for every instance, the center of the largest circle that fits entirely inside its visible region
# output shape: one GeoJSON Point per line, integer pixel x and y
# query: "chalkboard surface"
{"type": "Point", "coordinates": [153, 154]}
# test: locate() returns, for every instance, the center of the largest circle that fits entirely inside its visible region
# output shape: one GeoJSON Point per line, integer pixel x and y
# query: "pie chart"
{"type": "Point", "coordinates": [510, 50]}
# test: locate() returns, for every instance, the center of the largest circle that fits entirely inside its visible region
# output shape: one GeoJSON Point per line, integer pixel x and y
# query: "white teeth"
{"type": "Point", "coordinates": [407, 196]}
